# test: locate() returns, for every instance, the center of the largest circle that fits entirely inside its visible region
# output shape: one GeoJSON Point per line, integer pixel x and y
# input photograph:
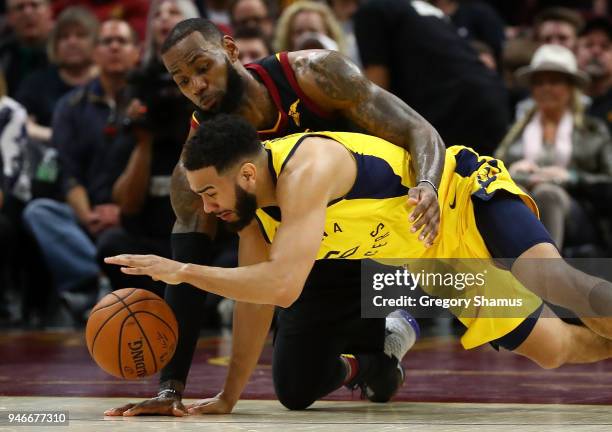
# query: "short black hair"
{"type": "Point", "coordinates": [598, 24]}
{"type": "Point", "coordinates": [234, 3]}
{"type": "Point", "coordinates": [221, 142]}
{"type": "Point", "coordinates": [184, 28]}
{"type": "Point", "coordinates": [244, 32]}
{"type": "Point", "coordinates": [558, 13]}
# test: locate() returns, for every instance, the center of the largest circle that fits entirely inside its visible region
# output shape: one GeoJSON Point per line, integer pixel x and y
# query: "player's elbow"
{"type": "Point", "coordinates": [288, 291]}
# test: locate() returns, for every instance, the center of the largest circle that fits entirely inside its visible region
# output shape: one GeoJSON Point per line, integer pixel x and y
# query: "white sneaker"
{"type": "Point", "coordinates": [402, 331]}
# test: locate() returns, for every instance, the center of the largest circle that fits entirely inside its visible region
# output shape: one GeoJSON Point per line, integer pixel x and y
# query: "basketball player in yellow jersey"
{"type": "Point", "coordinates": [340, 198]}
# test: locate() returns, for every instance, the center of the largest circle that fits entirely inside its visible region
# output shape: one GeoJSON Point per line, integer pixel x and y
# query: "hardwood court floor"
{"type": "Point", "coordinates": [438, 369]}
{"type": "Point", "coordinates": [85, 415]}
{"type": "Point", "coordinates": [447, 389]}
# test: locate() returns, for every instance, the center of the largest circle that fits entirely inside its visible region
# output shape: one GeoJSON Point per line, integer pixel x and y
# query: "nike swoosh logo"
{"type": "Point", "coordinates": [454, 203]}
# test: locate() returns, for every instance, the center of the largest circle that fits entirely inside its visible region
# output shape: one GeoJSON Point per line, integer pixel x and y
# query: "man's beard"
{"type": "Point", "coordinates": [595, 69]}
{"type": "Point", "coordinates": [246, 206]}
{"type": "Point", "coordinates": [232, 97]}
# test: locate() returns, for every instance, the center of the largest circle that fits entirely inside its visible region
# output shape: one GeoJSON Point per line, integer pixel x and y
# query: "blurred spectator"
{"type": "Point", "coordinates": [517, 53]}
{"type": "Point", "coordinates": [515, 13]}
{"type": "Point", "coordinates": [595, 58]}
{"type": "Point", "coordinates": [159, 122]}
{"type": "Point", "coordinates": [132, 11]}
{"type": "Point", "coordinates": [308, 25]}
{"type": "Point", "coordinates": [410, 49]}
{"type": "Point", "coordinates": [601, 8]}
{"type": "Point", "coordinates": [555, 151]}
{"type": "Point", "coordinates": [70, 50]}
{"type": "Point", "coordinates": [13, 141]}
{"type": "Point", "coordinates": [252, 14]}
{"type": "Point", "coordinates": [252, 44]}
{"type": "Point", "coordinates": [24, 51]}
{"type": "Point", "coordinates": [163, 16]}
{"type": "Point", "coordinates": [485, 54]}
{"type": "Point", "coordinates": [86, 126]}
{"type": "Point", "coordinates": [218, 11]}
{"type": "Point", "coordinates": [557, 25]}
{"type": "Point", "coordinates": [520, 13]}
{"type": "Point", "coordinates": [476, 21]}
{"type": "Point", "coordinates": [583, 7]}
{"type": "Point", "coordinates": [344, 10]}
{"type": "Point", "coordinates": [7, 240]}
{"type": "Point", "coordinates": [24, 267]}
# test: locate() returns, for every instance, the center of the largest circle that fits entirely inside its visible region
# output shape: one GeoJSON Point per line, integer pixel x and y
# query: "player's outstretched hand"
{"type": "Point", "coordinates": [170, 406]}
{"type": "Point", "coordinates": [158, 268]}
{"type": "Point", "coordinates": [215, 405]}
{"type": "Point", "coordinates": [426, 213]}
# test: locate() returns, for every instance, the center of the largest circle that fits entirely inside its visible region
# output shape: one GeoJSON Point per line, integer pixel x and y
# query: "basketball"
{"type": "Point", "coordinates": [131, 333]}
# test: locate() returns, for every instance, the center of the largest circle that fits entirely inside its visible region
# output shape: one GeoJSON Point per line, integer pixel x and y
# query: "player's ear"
{"type": "Point", "coordinates": [248, 173]}
{"type": "Point", "coordinates": [230, 48]}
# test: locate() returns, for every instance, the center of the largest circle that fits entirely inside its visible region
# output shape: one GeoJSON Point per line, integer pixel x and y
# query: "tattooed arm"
{"type": "Point", "coordinates": [336, 84]}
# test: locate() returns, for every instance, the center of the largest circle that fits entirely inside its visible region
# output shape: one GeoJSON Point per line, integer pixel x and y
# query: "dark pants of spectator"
{"type": "Point", "coordinates": [7, 240]}
{"type": "Point", "coordinates": [115, 241]}
{"type": "Point", "coordinates": [27, 271]}
{"type": "Point", "coordinates": [68, 250]}
{"type": "Point", "coordinates": [564, 218]}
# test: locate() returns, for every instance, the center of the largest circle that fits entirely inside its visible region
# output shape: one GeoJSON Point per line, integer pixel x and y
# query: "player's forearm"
{"type": "Point", "coordinates": [251, 327]}
{"type": "Point", "coordinates": [388, 117]}
{"type": "Point", "coordinates": [265, 283]}
{"type": "Point", "coordinates": [427, 152]}
{"type": "Point", "coordinates": [407, 128]}
{"type": "Point", "coordinates": [130, 189]}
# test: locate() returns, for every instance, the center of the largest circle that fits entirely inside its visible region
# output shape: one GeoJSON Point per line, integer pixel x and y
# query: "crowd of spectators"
{"type": "Point", "coordinates": [91, 124]}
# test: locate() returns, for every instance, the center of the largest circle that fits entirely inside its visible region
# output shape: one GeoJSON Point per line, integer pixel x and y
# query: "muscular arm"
{"type": "Point", "coordinates": [304, 187]}
{"type": "Point", "coordinates": [335, 83]}
{"type": "Point", "coordinates": [307, 183]}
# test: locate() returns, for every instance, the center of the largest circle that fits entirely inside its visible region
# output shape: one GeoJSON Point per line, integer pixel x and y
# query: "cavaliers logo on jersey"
{"type": "Point", "coordinates": [293, 112]}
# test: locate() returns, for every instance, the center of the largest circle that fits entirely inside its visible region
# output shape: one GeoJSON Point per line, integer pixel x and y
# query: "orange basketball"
{"type": "Point", "coordinates": [131, 333]}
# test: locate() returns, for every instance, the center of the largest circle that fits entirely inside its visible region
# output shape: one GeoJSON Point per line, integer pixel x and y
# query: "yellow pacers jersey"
{"type": "Point", "coordinates": [371, 221]}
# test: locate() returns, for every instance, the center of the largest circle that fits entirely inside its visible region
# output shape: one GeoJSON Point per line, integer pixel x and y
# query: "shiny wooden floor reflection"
{"type": "Point", "coordinates": [85, 415]}
{"type": "Point", "coordinates": [447, 389]}
{"type": "Point", "coordinates": [438, 369]}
